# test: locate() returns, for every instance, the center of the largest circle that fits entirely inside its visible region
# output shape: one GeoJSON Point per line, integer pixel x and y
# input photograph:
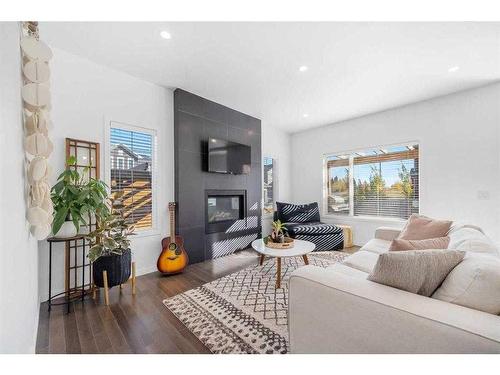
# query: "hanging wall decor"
{"type": "Point", "coordinates": [37, 144]}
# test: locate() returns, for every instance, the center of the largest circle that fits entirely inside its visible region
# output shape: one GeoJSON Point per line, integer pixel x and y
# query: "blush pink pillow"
{"type": "Point", "coordinates": [419, 227]}
{"type": "Point", "coordinates": [430, 243]}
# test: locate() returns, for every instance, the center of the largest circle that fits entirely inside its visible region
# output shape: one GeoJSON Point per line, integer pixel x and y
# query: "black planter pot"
{"type": "Point", "coordinates": [116, 266]}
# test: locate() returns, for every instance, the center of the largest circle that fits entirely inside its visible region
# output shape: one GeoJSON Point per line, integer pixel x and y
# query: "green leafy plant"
{"type": "Point", "coordinates": [277, 233]}
{"type": "Point", "coordinates": [112, 231]}
{"type": "Point", "coordinates": [77, 196]}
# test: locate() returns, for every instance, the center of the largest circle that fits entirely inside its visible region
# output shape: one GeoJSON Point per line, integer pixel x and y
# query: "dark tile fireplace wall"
{"type": "Point", "coordinates": [195, 120]}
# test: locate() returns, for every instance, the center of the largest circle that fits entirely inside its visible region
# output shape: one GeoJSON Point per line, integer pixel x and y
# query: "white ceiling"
{"type": "Point", "coordinates": [354, 68]}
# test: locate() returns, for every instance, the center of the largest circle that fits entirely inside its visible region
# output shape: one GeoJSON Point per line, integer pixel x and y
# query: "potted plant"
{"type": "Point", "coordinates": [76, 196]}
{"type": "Point", "coordinates": [110, 246]}
{"type": "Point", "coordinates": [278, 238]}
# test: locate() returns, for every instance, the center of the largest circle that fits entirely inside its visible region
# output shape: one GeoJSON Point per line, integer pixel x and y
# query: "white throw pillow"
{"type": "Point", "coordinates": [471, 239]}
{"type": "Point", "coordinates": [474, 283]}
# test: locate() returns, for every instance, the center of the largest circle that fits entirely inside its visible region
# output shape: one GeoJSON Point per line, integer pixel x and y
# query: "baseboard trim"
{"type": "Point", "coordinates": [145, 270]}
{"type": "Point", "coordinates": [32, 349]}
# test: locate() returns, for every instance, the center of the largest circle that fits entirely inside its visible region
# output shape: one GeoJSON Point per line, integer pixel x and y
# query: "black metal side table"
{"type": "Point", "coordinates": [77, 292]}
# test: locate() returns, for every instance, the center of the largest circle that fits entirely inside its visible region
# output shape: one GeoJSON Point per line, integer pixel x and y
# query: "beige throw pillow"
{"type": "Point", "coordinates": [431, 243]}
{"type": "Point", "coordinates": [474, 283]}
{"type": "Point", "coordinates": [419, 227]}
{"type": "Point", "coordinates": [416, 271]}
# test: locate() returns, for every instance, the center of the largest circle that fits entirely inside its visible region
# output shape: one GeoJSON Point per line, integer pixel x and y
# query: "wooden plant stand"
{"type": "Point", "coordinates": [106, 289]}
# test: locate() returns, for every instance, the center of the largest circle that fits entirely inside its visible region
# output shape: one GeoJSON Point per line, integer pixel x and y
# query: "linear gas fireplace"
{"type": "Point", "coordinates": [223, 208]}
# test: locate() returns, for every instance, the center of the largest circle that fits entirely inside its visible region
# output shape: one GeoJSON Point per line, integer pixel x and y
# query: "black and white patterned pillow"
{"type": "Point", "coordinates": [298, 213]}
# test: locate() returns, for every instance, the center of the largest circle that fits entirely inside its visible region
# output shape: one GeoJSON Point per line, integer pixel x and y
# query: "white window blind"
{"type": "Point", "coordinates": [382, 181]}
{"type": "Point", "coordinates": [135, 177]}
{"type": "Point", "coordinates": [269, 185]}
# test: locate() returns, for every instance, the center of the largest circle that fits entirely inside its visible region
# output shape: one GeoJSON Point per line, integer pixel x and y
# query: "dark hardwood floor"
{"type": "Point", "coordinates": [134, 324]}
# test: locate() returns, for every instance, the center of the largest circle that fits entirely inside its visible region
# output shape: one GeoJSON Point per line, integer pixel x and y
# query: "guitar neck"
{"type": "Point", "coordinates": [172, 224]}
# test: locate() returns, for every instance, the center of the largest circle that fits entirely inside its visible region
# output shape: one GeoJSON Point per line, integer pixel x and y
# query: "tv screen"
{"type": "Point", "coordinates": [228, 157]}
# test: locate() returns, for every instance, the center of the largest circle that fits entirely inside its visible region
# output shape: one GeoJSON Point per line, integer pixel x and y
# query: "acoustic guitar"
{"type": "Point", "coordinates": [173, 258]}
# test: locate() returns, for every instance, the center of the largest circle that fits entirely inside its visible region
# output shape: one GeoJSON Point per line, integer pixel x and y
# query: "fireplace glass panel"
{"type": "Point", "coordinates": [223, 208]}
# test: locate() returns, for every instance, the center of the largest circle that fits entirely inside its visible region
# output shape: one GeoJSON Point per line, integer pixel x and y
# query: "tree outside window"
{"type": "Point", "coordinates": [377, 182]}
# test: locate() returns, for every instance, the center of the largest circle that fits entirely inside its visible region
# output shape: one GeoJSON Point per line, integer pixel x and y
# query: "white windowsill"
{"type": "Point", "coordinates": [354, 219]}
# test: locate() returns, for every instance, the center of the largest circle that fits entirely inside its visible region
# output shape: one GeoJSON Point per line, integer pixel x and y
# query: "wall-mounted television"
{"type": "Point", "coordinates": [228, 157]}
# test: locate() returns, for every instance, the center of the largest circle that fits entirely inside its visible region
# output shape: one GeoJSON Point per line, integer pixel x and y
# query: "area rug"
{"type": "Point", "coordinates": [244, 312]}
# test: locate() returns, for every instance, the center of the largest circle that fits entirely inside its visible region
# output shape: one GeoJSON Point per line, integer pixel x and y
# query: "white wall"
{"type": "Point", "coordinates": [83, 95]}
{"type": "Point", "coordinates": [276, 144]}
{"type": "Point", "coordinates": [459, 156]}
{"type": "Point", "coordinates": [18, 250]}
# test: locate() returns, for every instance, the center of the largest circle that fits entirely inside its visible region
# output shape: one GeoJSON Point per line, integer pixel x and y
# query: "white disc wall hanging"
{"type": "Point", "coordinates": [35, 49]}
{"type": "Point", "coordinates": [40, 191]}
{"type": "Point", "coordinates": [48, 150]}
{"type": "Point", "coordinates": [41, 231]}
{"type": "Point", "coordinates": [47, 207]}
{"type": "Point", "coordinates": [35, 95]}
{"type": "Point", "coordinates": [37, 169]}
{"type": "Point", "coordinates": [37, 216]}
{"type": "Point", "coordinates": [37, 144]}
{"type": "Point", "coordinates": [37, 71]}
{"type": "Point", "coordinates": [36, 123]}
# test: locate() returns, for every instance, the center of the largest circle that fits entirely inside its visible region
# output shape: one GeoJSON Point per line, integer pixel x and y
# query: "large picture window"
{"type": "Point", "coordinates": [269, 185]}
{"type": "Point", "coordinates": [382, 181]}
{"type": "Point", "coordinates": [131, 170]}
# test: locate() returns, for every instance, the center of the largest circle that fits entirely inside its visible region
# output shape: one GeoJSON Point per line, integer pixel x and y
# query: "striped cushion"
{"type": "Point", "coordinates": [298, 213]}
{"type": "Point", "coordinates": [312, 228]}
{"type": "Point", "coordinates": [324, 236]}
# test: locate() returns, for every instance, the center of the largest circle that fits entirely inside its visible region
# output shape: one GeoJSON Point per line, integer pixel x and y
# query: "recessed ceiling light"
{"type": "Point", "coordinates": [165, 35]}
{"type": "Point", "coordinates": [305, 115]}
{"type": "Point", "coordinates": [453, 69]}
{"type": "Point", "coordinates": [303, 68]}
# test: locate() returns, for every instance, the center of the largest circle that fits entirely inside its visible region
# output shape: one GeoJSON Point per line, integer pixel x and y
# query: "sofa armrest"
{"type": "Point", "coordinates": [330, 312]}
{"type": "Point", "coordinates": [387, 233]}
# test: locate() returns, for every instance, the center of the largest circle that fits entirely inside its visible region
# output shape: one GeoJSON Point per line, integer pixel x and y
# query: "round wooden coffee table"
{"type": "Point", "coordinates": [300, 248]}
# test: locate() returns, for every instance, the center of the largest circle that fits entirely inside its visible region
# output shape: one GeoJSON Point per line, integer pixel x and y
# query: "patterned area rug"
{"type": "Point", "coordinates": [244, 312]}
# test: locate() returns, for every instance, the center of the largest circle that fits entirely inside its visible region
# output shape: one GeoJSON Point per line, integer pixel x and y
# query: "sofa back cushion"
{"type": "Point", "coordinates": [474, 283]}
{"type": "Point", "coordinates": [431, 243]}
{"type": "Point", "coordinates": [416, 271]}
{"type": "Point", "coordinates": [472, 239]}
{"type": "Point", "coordinates": [298, 213]}
{"type": "Point", "coordinates": [419, 227]}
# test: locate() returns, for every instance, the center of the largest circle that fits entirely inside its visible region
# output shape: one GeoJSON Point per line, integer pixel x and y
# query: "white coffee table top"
{"type": "Point", "coordinates": [300, 247]}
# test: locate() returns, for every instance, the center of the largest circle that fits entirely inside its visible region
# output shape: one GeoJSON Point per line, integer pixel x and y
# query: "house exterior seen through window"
{"type": "Point", "coordinates": [131, 164]}
{"type": "Point", "coordinates": [382, 181]}
{"type": "Point", "coordinates": [269, 184]}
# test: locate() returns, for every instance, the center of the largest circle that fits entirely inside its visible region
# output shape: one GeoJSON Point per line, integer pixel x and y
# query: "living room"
{"type": "Point", "coordinates": [186, 187]}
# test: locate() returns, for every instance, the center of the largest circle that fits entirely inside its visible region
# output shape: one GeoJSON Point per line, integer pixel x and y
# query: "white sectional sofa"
{"type": "Point", "coordinates": [337, 310]}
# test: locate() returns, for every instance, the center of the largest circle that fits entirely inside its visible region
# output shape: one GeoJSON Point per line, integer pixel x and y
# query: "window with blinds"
{"type": "Point", "coordinates": [131, 170]}
{"type": "Point", "coordinates": [269, 185]}
{"type": "Point", "coordinates": [382, 181]}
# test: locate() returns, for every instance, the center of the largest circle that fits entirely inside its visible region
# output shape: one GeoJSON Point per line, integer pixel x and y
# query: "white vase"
{"type": "Point", "coordinates": [67, 230]}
